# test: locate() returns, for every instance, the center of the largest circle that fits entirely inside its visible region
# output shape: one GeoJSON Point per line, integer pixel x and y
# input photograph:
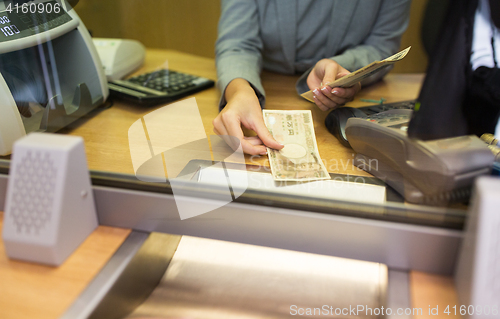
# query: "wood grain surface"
{"type": "Point", "coordinates": [105, 131]}
{"type": "Point", "coordinates": [33, 291]}
{"type": "Point", "coordinates": [29, 290]}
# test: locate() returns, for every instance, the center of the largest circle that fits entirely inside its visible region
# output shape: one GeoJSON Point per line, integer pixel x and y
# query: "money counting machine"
{"type": "Point", "coordinates": [51, 74]}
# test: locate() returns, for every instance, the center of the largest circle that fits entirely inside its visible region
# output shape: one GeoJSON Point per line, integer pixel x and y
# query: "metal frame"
{"type": "Point", "coordinates": [316, 226]}
{"type": "Point", "coordinates": [138, 266]}
{"type": "Point", "coordinates": [403, 237]}
{"type": "Point", "coordinates": [128, 278]}
{"type": "Point", "coordinates": [102, 284]}
{"type": "Point", "coordinates": [400, 246]}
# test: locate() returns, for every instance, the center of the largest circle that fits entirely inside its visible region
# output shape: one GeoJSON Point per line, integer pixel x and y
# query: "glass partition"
{"type": "Point", "coordinates": [58, 86]}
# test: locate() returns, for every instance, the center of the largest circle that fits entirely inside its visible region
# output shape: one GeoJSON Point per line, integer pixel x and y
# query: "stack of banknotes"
{"type": "Point", "coordinates": [299, 159]}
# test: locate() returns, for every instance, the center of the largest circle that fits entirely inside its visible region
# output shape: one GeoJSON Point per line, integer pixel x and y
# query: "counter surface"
{"type": "Point", "coordinates": [35, 291]}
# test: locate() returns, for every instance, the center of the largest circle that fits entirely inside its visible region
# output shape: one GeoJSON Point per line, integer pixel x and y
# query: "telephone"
{"type": "Point", "coordinates": [430, 172]}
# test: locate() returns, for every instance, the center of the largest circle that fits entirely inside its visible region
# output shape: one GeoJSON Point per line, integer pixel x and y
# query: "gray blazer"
{"type": "Point", "coordinates": [256, 34]}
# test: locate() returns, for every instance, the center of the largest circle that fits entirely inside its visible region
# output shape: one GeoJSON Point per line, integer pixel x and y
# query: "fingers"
{"type": "Point", "coordinates": [227, 126]}
{"type": "Point", "coordinates": [327, 98]}
{"type": "Point", "coordinates": [349, 91]}
{"type": "Point", "coordinates": [331, 73]}
{"type": "Point", "coordinates": [260, 128]}
{"type": "Point", "coordinates": [353, 90]}
{"type": "Point", "coordinates": [322, 102]}
{"type": "Point", "coordinates": [254, 140]}
{"type": "Point", "coordinates": [324, 72]}
{"type": "Point", "coordinates": [230, 140]}
{"type": "Point", "coordinates": [243, 109]}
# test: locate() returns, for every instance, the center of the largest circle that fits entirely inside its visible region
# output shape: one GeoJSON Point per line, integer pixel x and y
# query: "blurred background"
{"type": "Point", "coordinates": [191, 26]}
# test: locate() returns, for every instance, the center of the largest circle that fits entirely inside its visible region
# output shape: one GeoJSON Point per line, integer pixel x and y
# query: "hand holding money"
{"type": "Point", "coordinates": [299, 159]}
{"type": "Point", "coordinates": [243, 109]}
{"type": "Point", "coordinates": [359, 75]}
{"type": "Point", "coordinates": [326, 97]}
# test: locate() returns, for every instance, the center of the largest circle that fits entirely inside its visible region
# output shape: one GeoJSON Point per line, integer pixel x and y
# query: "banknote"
{"type": "Point", "coordinates": [299, 160]}
{"type": "Point", "coordinates": [363, 73]}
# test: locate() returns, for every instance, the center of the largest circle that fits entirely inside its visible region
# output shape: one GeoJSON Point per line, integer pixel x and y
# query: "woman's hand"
{"type": "Point", "coordinates": [325, 97]}
{"type": "Point", "coordinates": [243, 108]}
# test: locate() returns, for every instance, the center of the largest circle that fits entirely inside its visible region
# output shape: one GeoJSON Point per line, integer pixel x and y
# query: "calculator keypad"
{"type": "Point", "coordinates": [166, 81]}
{"type": "Point", "coordinates": [159, 86]}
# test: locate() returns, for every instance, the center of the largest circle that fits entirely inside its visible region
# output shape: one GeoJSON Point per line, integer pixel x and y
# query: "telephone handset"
{"type": "Point", "coordinates": [432, 172]}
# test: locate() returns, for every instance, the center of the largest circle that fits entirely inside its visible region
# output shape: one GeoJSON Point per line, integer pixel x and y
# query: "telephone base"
{"type": "Point", "coordinates": [411, 193]}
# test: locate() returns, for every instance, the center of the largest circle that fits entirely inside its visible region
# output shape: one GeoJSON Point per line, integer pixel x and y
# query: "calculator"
{"type": "Point", "coordinates": [158, 87]}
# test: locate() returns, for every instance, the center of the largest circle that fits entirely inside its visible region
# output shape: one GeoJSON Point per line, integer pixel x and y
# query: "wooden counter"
{"type": "Point", "coordinates": [29, 290]}
{"type": "Point", "coordinates": [105, 131]}
{"type": "Point", "coordinates": [35, 291]}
